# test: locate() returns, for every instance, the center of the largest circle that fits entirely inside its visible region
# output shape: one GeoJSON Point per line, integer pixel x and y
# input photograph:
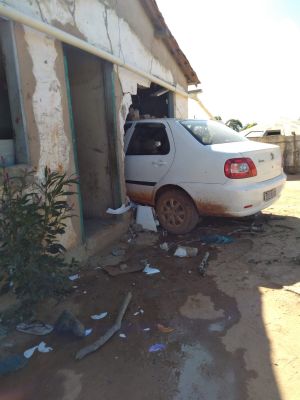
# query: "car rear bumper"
{"type": "Point", "coordinates": [236, 200]}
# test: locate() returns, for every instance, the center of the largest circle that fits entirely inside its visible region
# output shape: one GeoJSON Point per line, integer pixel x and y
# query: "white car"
{"type": "Point", "coordinates": [189, 168]}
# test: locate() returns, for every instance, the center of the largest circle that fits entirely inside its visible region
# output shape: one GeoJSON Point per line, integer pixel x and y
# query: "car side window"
{"type": "Point", "coordinates": [149, 139]}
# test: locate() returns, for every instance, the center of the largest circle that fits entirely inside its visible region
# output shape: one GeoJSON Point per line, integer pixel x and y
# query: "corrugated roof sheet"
{"type": "Point", "coordinates": [164, 32]}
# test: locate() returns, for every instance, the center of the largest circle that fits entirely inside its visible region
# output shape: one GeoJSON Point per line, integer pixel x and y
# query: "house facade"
{"type": "Point", "coordinates": [69, 71]}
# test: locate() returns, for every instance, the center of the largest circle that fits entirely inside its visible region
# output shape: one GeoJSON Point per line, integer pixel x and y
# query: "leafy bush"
{"type": "Point", "coordinates": [33, 216]}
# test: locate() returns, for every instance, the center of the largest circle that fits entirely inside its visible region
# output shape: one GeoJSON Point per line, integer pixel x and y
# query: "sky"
{"type": "Point", "coordinates": [246, 54]}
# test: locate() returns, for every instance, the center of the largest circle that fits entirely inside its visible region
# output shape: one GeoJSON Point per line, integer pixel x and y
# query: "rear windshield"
{"type": "Point", "coordinates": [212, 132]}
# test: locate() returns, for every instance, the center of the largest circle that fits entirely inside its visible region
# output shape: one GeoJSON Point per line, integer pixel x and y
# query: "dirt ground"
{"type": "Point", "coordinates": [236, 330]}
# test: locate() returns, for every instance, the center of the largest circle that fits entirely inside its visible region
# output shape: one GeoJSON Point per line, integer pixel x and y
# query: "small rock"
{"type": "Point", "coordinates": [68, 323]}
{"type": "Point", "coordinates": [117, 252]}
{"type": "Point", "coordinates": [164, 246]}
{"type": "Point", "coordinates": [123, 267]}
{"type": "Point", "coordinates": [257, 228]}
{"type": "Point", "coordinates": [297, 260]}
{"type": "Point", "coordinates": [185, 251]}
{"type": "Point", "coordinates": [137, 228]}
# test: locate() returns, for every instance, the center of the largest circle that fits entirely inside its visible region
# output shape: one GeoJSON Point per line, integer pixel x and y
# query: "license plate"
{"type": "Point", "coordinates": [270, 194]}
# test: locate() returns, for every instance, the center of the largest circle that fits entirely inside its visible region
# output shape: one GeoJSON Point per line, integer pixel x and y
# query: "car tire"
{"type": "Point", "coordinates": [176, 212]}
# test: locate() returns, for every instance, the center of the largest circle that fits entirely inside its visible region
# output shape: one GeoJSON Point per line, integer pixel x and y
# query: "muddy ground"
{"type": "Point", "coordinates": [236, 330]}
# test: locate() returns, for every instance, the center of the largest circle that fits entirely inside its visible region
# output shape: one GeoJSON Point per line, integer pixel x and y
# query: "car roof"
{"type": "Point", "coordinates": [165, 119]}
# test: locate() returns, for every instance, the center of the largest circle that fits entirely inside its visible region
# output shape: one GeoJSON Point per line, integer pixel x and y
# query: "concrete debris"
{"type": "Point", "coordinates": [118, 252]}
{"type": "Point", "coordinates": [68, 323]}
{"type": "Point", "coordinates": [145, 218]}
{"type": "Point", "coordinates": [123, 267]}
{"type": "Point", "coordinates": [164, 246]}
{"type": "Point", "coordinates": [146, 239]}
{"type": "Point", "coordinates": [137, 228]}
{"type": "Point", "coordinates": [204, 264]}
{"type": "Point", "coordinates": [185, 251]}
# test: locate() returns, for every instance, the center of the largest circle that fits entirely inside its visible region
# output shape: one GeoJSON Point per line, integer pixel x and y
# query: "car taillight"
{"type": "Point", "coordinates": [239, 168]}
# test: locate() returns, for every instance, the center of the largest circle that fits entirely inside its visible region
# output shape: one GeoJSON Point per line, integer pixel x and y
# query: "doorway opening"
{"type": "Point", "coordinates": [7, 151]}
{"type": "Point", "coordinates": [88, 97]}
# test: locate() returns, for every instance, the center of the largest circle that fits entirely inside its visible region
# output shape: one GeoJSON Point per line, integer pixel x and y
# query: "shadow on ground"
{"type": "Point", "coordinates": [231, 328]}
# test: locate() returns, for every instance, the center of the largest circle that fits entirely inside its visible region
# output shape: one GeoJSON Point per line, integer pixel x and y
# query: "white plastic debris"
{"type": "Point", "coordinates": [74, 277]}
{"type": "Point", "coordinates": [148, 270]}
{"type": "Point", "coordinates": [88, 331]}
{"type": "Point", "coordinates": [122, 335]}
{"type": "Point", "coordinates": [146, 329]}
{"type": "Point", "coordinates": [164, 246]}
{"type": "Point", "coordinates": [144, 217]}
{"type": "Point", "coordinates": [29, 353]}
{"type": "Point", "coordinates": [141, 311]}
{"type": "Point", "coordinates": [42, 348]}
{"type": "Point", "coordinates": [182, 251]}
{"type": "Point", "coordinates": [96, 317]}
{"type": "Point", "coordinates": [121, 210]}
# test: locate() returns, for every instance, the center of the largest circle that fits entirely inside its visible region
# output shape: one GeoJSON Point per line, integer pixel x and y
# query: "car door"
{"type": "Point", "coordinates": [149, 155]}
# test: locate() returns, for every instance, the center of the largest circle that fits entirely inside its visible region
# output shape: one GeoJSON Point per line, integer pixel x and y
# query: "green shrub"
{"type": "Point", "coordinates": [33, 217]}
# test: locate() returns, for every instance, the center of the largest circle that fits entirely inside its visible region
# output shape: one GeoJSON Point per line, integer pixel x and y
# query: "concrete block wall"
{"type": "Point", "coordinates": [290, 150]}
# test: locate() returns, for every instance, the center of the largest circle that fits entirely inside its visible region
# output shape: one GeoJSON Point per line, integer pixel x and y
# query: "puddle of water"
{"type": "Point", "coordinates": [200, 306]}
{"type": "Point", "coordinates": [217, 326]}
{"type": "Point", "coordinates": [201, 378]}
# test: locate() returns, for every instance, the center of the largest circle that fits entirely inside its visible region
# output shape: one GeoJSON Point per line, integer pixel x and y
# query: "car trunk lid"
{"type": "Point", "coordinates": [266, 157]}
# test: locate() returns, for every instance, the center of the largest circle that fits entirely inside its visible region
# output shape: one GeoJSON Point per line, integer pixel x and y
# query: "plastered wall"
{"type": "Point", "coordinates": [119, 27]}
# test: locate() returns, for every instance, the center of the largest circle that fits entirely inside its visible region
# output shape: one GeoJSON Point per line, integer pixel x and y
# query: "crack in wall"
{"type": "Point", "coordinates": [71, 6]}
{"type": "Point", "coordinates": [151, 64]}
{"type": "Point", "coordinates": [121, 54]}
{"type": "Point", "coordinates": [106, 25]}
{"type": "Point", "coordinates": [41, 12]}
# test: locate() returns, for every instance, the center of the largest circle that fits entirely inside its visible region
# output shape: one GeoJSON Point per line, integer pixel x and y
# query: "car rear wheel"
{"type": "Point", "coordinates": [176, 212]}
